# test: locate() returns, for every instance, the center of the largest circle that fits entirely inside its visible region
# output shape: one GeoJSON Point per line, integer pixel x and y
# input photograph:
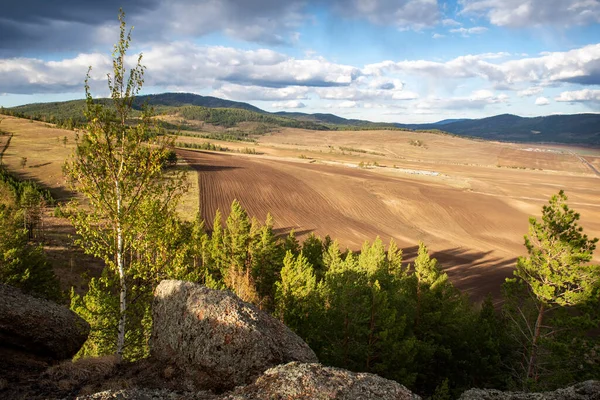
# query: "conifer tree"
{"type": "Point", "coordinates": [295, 294]}
{"type": "Point", "coordinates": [267, 262]}
{"type": "Point", "coordinates": [236, 241]}
{"type": "Point", "coordinates": [291, 243]}
{"type": "Point", "coordinates": [556, 275]}
{"type": "Point", "coordinates": [313, 249]}
{"type": "Point", "coordinates": [217, 250]}
{"type": "Point", "coordinates": [23, 264]}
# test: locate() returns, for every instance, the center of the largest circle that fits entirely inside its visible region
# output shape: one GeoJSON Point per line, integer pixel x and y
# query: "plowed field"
{"type": "Point", "coordinates": [472, 218]}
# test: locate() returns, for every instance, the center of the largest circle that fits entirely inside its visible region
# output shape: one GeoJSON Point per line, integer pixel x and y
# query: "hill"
{"type": "Point", "coordinates": [335, 120]}
{"type": "Point", "coordinates": [73, 109]}
{"type": "Point", "coordinates": [569, 129]}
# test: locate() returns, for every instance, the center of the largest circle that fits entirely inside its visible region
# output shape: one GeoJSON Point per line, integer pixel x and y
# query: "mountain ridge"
{"type": "Point", "coordinates": [581, 128]}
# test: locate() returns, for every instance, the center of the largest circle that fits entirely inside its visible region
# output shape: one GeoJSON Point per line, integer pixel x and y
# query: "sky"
{"type": "Point", "coordinates": [404, 61]}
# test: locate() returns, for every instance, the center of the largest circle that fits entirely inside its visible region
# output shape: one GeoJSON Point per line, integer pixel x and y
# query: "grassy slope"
{"type": "Point", "coordinates": [43, 146]}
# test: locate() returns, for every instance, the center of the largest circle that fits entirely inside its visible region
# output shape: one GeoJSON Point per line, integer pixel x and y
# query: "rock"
{"type": "Point", "coordinates": [290, 381]}
{"type": "Point", "coordinates": [314, 381]}
{"type": "Point", "coordinates": [219, 340]}
{"type": "Point", "coordinates": [589, 390]}
{"type": "Point", "coordinates": [146, 394]}
{"type": "Point", "coordinates": [39, 327]}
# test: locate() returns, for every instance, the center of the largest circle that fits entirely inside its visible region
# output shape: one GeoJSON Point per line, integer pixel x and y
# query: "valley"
{"type": "Point", "coordinates": [468, 200]}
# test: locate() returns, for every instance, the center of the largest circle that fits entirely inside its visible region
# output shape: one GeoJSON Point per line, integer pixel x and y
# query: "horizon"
{"type": "Point", "coordinates": [408, 61]}
{"type": "Point", "coordinates": [458, 118]}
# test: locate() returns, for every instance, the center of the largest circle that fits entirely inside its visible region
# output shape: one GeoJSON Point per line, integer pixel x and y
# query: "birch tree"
{"type": "Point", "coordinates": [119, 168]}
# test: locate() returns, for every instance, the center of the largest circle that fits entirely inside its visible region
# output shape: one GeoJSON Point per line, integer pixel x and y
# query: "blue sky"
{"type": "Point", "coordinates": [383, 60]}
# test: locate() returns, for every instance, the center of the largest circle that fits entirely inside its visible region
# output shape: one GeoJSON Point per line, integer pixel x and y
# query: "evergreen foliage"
{"type": "Point", "coordinates": [22, 262]}
{"type": "Point", "coordinates": [549, 301]}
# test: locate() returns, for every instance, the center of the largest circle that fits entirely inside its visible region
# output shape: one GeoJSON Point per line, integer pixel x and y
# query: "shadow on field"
{"type": "Point", "coordinates": [212, 168]}
{"type": "Point", "coordinates": [281, 233]}
{"type": "Point", "coordinates": [59, 193]}
{"type": "Point", "coordinates": [477, 273]}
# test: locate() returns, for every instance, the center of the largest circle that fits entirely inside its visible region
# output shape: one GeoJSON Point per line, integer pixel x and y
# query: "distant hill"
{"type": "Point", "coordinates": [334, 119]}
{"type": "Point", "coordinates": [74, 109]}
{"type": "Point", "coordinates": [570, 129]}
{"type": "Point", "coordinates": [449, 121]}
{"type": "Point", "coordinates": [189, 99]}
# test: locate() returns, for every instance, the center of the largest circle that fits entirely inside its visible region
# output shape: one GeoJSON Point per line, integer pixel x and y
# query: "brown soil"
{"type": "Point", "coordinates": [472, 214]}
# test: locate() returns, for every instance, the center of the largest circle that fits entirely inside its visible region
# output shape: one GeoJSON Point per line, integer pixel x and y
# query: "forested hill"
{"type": "Point", "coordinates": [189, 106]}
{"type": "Point", "coordinates": [570, 129]}
{"type": "Point", "coordinates": [163, 102]}
{"type": "Point", "coordinates": [574, 129]}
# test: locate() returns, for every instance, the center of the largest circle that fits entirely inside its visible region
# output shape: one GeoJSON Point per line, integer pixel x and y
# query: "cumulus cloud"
{"type": "Point", "coordinates": [187, 63]}
{"type": "Point", "coordinates": [29, 75]}
{"type": "Point", "coordinates": [466, 32]}
{"type": "Point", "coordinates": [580, 96]}
{"type": "Point", "coordinates": [478, 99]}
{"type": "Point", "coordinates": [530, 91]}
{"type": "Point", "coordinates": [180, 65]}
{"type": "Point", "coordinates": [75, 25]}
{"type": "Point", "coordinates": [437, 36]}
{"type": "Point", "coordinates": [519, 13]}
{"type": "Point", "coordinates": [414, 14]}
{"type": "Point", "coordinates": [289, 104]}
{"type": "Point", "coordinates": [542, 101]}
{"type": "Point", "coordinates": [580, 65]}
{"type": "Point", "coordinates": [450, 22]}
{"type": "Point", "coordinates": [247, 93]}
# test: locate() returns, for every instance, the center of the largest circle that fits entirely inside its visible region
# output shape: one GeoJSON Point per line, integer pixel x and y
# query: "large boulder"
{"type": "Point", "coordinates": [314, 381]}
{"type": "Point", "coordinates": [219, 340]}
{"type": "Point", "coordinates": [589, 390]}
{"type": "Point", "coordinates": [39, 328]}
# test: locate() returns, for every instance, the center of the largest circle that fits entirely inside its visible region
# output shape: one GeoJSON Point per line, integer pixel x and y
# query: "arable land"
{"type": "Point", "coordinates": [468, 200]}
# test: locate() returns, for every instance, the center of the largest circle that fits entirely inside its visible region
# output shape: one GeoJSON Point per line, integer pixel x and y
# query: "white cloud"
{"type": "Point", "coordinates": [253, 92]}
{"type": "Point", "coordinates": [580, 65]}
{"type": "Point", "coordinates": [404, 14]}
{"type": "Point", "coordinates": [579, 96]}
{"type": "Point", "coordinates": [466, 32]}
{"type": "Point", "coordinates": [289, 104]}
{"type": "Point", "coordinates": [30, 75]}
{"type": "Point", "coordinates": [405, 95]}
{"type": "Point", "coordinates": [478, 99]}
{"type": "Point", "coordinates": [530, 91]}
{"type": "Point", "coordinates": [348, 104]}
{"type": "Point", "coordinates": [519, 13]}
{"type": "Point", "coordinates": [437, 36]}
{"type": "Point", "coordinates": [450, 22]}
{"type": "Point", "coordinates": [186, 63]}
{"type": "Point", "coordinates": [542, 101]}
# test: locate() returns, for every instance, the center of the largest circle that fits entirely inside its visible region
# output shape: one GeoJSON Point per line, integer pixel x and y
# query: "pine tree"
{"type": "Point", "coordinates": [313, 248]}
{"type": "Point", "coordinates": [554, 276]}
{"type": "Point", "coordinates": [23, 264]}
{"type": "Point", "coordinates": [295, 294]}
{"type": "Point", "coordinates": [236, 244]}
{"type": "Point", "coordinates": [267, 262]}
{"type": "Point", "coordinates": [291, 243]}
